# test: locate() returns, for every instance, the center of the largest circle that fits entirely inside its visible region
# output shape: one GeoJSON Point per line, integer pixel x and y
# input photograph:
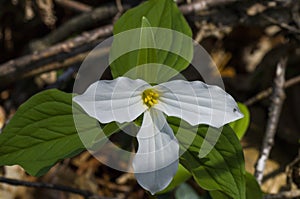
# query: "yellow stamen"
{"type": "Point", "coordinates": [155, 95]}
{"type": "Point", "coordinates": [150, 97]}
{"type": "Point", "coordinates": [154, 101]}
{"type": "Point", "coordinates": [150, 103]}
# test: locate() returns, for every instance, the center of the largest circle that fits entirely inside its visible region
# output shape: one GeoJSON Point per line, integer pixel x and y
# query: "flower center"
{"type": "Point", "coordinates": [150, 97]}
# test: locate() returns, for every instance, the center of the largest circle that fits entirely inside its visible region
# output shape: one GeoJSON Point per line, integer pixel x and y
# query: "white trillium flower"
{"type": "Point", "coordinates": [124, 100]}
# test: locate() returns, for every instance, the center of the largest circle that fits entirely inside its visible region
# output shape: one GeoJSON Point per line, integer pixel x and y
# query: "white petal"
{"type": "Point", "coordinates": [197, 103]}
{"type": "Point", "coordinates": [114, 100]}
{"type": "Point", "coordinates": [156, 160]}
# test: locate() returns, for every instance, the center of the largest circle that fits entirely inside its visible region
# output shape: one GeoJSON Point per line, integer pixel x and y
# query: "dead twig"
{"type": "Point", "coordinates": [282, 25]}
{"type": "Point", "coordinates": [75, 25]}
{"type": "Point", "coordinates": [121, 10]}
{"type": "Point", "coordinates": [203, 5]}
{"type": "Point", "coordinates": [66, 53]}
{"type": "Point", "coordinates": [74, 5]}
{"type": "Point", "coordinates": [277, 99]}
{"type": "Point", "coordinates": [86, 194]}
{"type": "Point", "coordinates": [119, 5]}
{"type": "Point", "coordinates": [267, 92]}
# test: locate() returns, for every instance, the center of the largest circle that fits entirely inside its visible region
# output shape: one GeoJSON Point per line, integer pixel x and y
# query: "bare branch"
{"type": "Point", "coordinates": [203, 5]}
{"type": "Point", "coordinates": [267, 92]}
{"type": "Point", "coordinates": [86, 194]}
{"type": "Point", "coordinates": [76, 24]}
{"type": "Point", "coordinates": [52, 58]}
{"type": "Point", "coordinates": [74, 5]}
{"type": "Point", "coordinates": [277, 99]}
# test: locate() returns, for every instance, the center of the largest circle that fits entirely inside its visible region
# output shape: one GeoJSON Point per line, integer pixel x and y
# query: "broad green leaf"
{"type": "Point", "coordinates": [172, 37]}
{"type": "Point", "coordinates": [181, 176]}
{"type": "Point", "coordinates": [43, 131]}
{"type": "Point", "coordinates": [147, 55]}
{"type": "Point", "coordinates": [240, 126]}
{"type": "Point", "coordinates": [252, 189]}
{"type": "Point", "coordinates": [184, 191]}
{"type": "Point", "coordinates": [222, 168]}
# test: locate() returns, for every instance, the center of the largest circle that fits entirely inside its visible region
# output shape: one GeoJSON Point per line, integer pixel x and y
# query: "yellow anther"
{"type": "Point", "coordinates": [150, 103]}
{"type": "Point", "coordinates": [154, 101]}
{"type": "Point", "coordinates": [150, 97]}
{"type": "Point", "coordinates": [155, 95]}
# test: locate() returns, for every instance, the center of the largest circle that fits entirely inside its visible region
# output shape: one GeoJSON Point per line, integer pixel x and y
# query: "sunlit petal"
{"type": "Point", "coordinates": [197, 103]}
{"type": "Point", "coordinates": [114, 100]}
{"type": "Point", "coordinates": [156, 160]}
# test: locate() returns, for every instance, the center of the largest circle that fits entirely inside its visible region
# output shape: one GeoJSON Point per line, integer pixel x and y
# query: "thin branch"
{"type": "Point", "coordinates": [119, 5]}
{"type": "Point", "coordinates": [284, 195]}
{"type": "Point", "coordinates": [75, 25]}
{"type": "Point", "coordinates": [259, 96]}
{"type": "Point", "coordinates": [282, 25]}
{"type": "Point", "coordinates": [86, 194]}
{"type": "Point", "coordinates": [203, 5]}
{"type": "Point", "coordinates": [74, 5]}
{"type": "Point", "coordinates": [292, 81]}
{"type": "Point", "coordinates": [267, 92]}
{"type": "Point", "coordinates": [121, 10]}
{"type": "Point", "coordinates": [53, 57]}
{"type": "Point", "coordinates": [277, 99]}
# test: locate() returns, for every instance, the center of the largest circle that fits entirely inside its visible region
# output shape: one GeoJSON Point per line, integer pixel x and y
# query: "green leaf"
{"type": "Point", "coordinates": [240, 126]}
{"type": "Point", "coordinates": [252, 189]}
{"type": "Point", "coordinates": [218, 195]}
{"type": "Point", "coordinates": [172, 38]}
{"type": "Point", "coordinates": [181, 176]}
{"type": "Point", "coordinates": [42, 132]}
{"type": "Point", "coordinates": [160, 13]}
{"type": "Point", "coordinates": [184, 191]}
{"type": "Point", "coordinates": [222, 168]}
{"type": "Point", "coordinates": [147, 55]}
